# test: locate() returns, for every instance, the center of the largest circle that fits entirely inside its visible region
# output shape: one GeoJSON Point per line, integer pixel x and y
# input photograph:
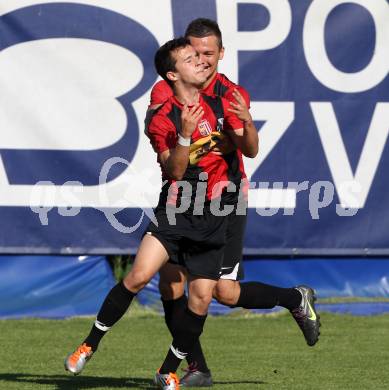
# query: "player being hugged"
{"type": "Point", "coordinates": [196, 241]}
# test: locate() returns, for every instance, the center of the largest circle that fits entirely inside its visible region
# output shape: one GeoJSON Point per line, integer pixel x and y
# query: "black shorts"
{"type": "Point", "coordinates": [232, 268]}
{"type": "Point", "coordinates": [197, 242]}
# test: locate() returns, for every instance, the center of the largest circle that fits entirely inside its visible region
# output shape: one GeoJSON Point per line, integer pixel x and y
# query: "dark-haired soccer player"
{"type": "Point", "coordinates": [193, 147]}
{"type": "Point", "coordinates": [205, 36]}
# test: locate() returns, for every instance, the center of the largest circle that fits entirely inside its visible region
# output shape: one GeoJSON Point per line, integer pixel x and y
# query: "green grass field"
{"type": "Point", "coordinates": [253, 352]}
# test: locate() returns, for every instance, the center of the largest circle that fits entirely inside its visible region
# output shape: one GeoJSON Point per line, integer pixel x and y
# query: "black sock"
{"type": "Point", "coordinates": [256, 295]}
{"type": "Point", "coordinates": [171, 306]}
{"type": "Point", "coordinates": [196, 357]}
{"type": "Point", "coordinates": [186, 328]}
{"type": "Point", "coordinates": [113, 308]}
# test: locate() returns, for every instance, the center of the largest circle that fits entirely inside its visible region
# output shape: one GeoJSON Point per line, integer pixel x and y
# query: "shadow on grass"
{"type": "Point", "coordinates": [239, 383]}
{"type": "Point", "coordinates": [66, 382]}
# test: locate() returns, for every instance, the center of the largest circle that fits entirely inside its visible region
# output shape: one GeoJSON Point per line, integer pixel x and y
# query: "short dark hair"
{"type": "Point", "coordinates": [164, 61]}
{"type": "Point", "coordinates": [202, 27]}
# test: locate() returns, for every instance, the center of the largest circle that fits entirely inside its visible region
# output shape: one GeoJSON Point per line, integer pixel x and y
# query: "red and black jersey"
{"type": "Point", "coordinates": [211, 150]}
{"type": "Point", "coordinates": [220, 86]}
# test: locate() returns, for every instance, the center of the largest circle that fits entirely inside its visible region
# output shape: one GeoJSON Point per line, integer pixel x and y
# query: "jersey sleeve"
{"type": "Point", "coordinates": [162, 133]}
{"type": "Point", "coordinates": [231, 121]}
{"type": "Point", "coordinates": [160, 93]}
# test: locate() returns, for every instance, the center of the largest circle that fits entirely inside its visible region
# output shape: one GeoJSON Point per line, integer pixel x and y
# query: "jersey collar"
{"type": "Point", "coordinates": [180, 105]}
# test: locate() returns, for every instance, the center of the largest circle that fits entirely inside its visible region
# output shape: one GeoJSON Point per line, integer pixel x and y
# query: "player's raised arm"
{"type": "Point", "coordinates": [175, 161]}
{"type": "Point", "coordinates": [246, 139]}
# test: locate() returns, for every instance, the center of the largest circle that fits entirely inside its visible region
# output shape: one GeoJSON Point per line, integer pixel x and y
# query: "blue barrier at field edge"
{"type": "Point", "coordinates": [330, 277]}
{"type": "Point", "coordinates": [66, 286]}
{"type": "Point", "coordinates": [53, 286]}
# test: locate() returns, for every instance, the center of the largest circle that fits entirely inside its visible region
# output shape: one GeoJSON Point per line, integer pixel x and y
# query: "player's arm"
{"type": "Point", "coordinates": [160, 93]}
{"type": "Point", "coordinates": [246, 138]}
{"type": "Point", "coordinates": [175, 161]}
{"type": "Point", "coordinates": [151, 110]}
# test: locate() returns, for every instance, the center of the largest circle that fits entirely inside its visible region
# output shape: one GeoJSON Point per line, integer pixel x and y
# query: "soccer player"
{"type": "Point", "coordinates": [193, 148]}
{"type": "Point", "coordinates": [206, 38]}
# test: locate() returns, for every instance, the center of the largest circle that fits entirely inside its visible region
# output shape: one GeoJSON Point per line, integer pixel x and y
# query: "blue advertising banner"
{"type": "Point", "coordinates": [78, 175]}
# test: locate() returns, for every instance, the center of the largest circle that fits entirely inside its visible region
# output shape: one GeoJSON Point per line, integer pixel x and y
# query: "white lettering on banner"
{"type": "Point", "coordinates": [316, 54]}
{"type": "Point", "coordinates": [118, 61]}
{"type": "Point", "coordinates": [278, 116]}
{"type": "Point", "coordinates": [79, 110]}
{"type": "Point", "coordinates": [136, 10]}
{"type": "Point", "coordinates": [268, 38]}
{"type": "Point", "coordinates": [116, 193]}
{"type": "Point", "coordinates": [110, 78]}
{"type": "Point", "coordinates": [355, 192]}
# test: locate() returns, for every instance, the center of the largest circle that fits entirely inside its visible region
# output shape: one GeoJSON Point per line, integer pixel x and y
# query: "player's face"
{"type": "Point", "coordinates": [210, 53]}
{"type": "Point", "coordinates": [189, 68]}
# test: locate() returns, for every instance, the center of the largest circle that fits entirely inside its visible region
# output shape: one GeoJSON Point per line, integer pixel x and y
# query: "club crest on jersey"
{"type": "Point", "coordinates": [204, 127]}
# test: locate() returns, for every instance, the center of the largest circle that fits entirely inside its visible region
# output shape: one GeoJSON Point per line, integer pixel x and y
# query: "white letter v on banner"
{"type": "Point", "coordinates": [336, 154]}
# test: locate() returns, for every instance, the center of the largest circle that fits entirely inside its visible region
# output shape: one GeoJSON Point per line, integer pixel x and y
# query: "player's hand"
{"type": "Point", "coordinates": [239, 107]}
{"type": "Point", "coordinates": [190, 118]}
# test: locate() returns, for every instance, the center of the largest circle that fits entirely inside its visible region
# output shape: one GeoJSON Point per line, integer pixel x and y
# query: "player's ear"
{"type": "Point", "coordinates": [172, 76]}
{"type": "Point", "coordinates": [221, 54]}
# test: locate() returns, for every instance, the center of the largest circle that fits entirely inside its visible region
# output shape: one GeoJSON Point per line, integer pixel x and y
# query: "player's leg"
{"type": "Point", "coordinates": [187, 325]}
{"type": "Point", "coordinates": [198, 259]}
{"type": "Point", "coordinates": [172, 280]}
{"type": "Point", "coordinates": [149, 259]}
{"type": "Point", "coordinates": [256, 295]}
{"type": "Point", "coordinates": [201, 253]}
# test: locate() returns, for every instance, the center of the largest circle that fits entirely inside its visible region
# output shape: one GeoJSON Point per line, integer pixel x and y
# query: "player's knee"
{"type": "Point", "coordinates": [199, 304]}
{"type": "Point", "coordinates": [136, 280]}
{"type": "Point", "coordinates": [224, 294]}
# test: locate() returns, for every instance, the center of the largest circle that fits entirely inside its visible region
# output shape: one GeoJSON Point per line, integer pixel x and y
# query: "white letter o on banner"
{"type": "Point", "coordinates": [316, 55]}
